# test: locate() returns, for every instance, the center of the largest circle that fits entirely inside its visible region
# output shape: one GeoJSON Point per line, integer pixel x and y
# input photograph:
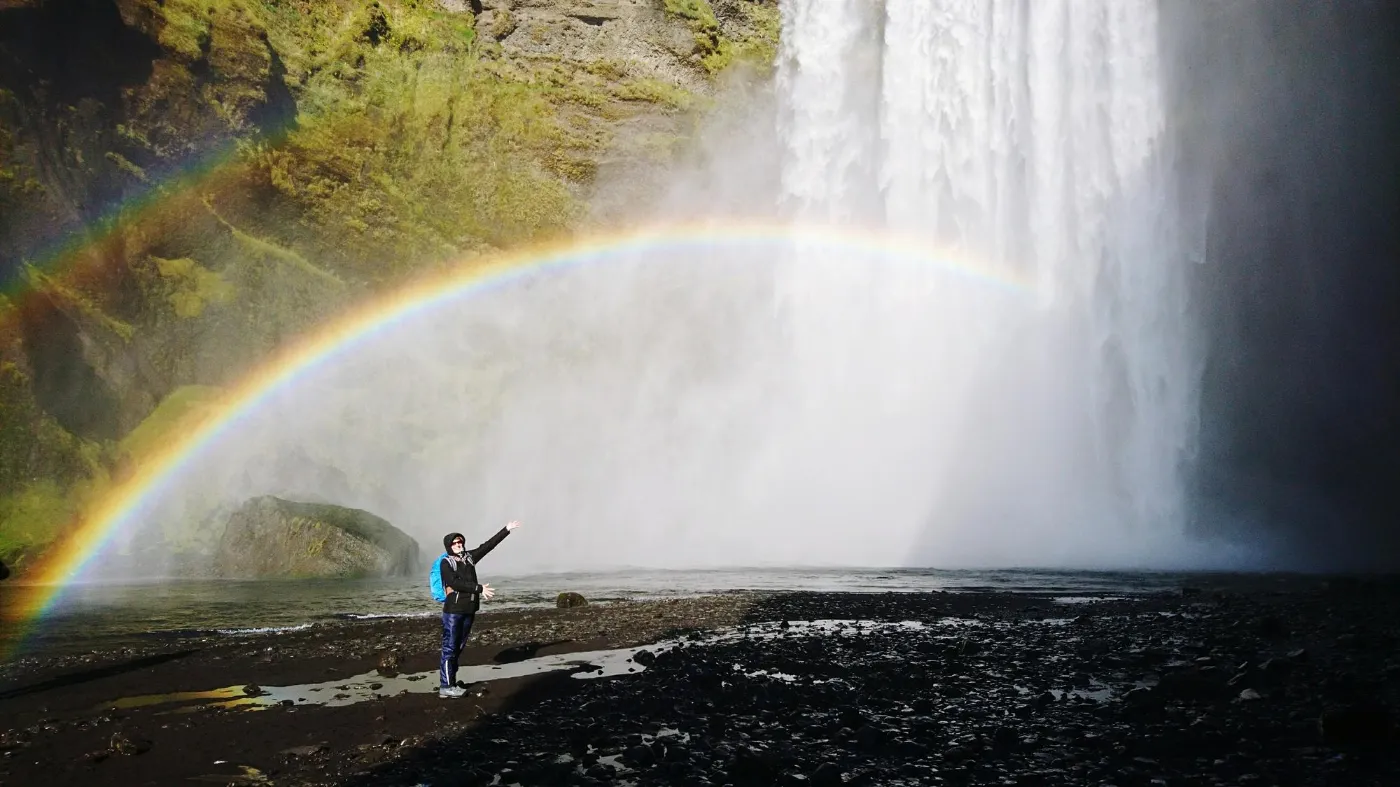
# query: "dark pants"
{"type": "Point", "coordinates": [455, 630]}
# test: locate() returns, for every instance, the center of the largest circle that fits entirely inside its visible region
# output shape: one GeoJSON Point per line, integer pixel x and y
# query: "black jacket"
{"type": "Point", "coordinates": [460, 575]}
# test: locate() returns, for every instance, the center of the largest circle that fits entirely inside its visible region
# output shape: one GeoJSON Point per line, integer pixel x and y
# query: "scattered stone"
{"type": "Point", "coordinates": [129, 745]}
{"type": "Point", "coordinates": [569, 600]}
{"type": "Point", "coordinates": [309, 750]}
{"type": "Point", "coordinates": [967, 689]}
{"type": "Point", "coordinates": [389, 664]}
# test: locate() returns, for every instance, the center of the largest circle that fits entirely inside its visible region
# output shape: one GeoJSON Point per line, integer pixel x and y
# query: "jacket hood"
{"type": "Point", "coordinates": [448, 539]}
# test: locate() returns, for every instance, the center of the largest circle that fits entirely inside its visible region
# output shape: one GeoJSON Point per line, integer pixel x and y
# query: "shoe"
{"type": "Point", "coordinates": [451, 691]}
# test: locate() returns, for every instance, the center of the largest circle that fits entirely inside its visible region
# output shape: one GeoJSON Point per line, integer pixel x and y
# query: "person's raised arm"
{"type": "Point", "coordinates": [491, 543]}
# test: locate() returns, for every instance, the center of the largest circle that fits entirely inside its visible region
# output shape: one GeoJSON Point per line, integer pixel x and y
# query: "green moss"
{"type": "Point", "coordinates": [267, 250]}
{"type": "Point", "coordinates": [662, 148]}
{"type": "Point", "coordinates": [45, 472]}
{"type": "Point", "coordinates": [190, 286]}
{"type": "Point", "coordinates": [427, 155]}
{"type": "Point", "coordinates": [416, 143]}
{"type": "Point", "coordinates": [133, 136]}
{"type": "Point", "coordinates": [656, 92]}
{"type": "Point", "coordinates": [410, 148]}
{"type": "Point", "coordinates": [698, 12]}
{"type": "Point", "coordinates": [759, 48]}
{"type": "Point", "coordinates": [712, 47]}
{"type": "Point", "coordinates": [32, 444]}
{"type": "Point", "coordinates": [185, 28]}
{"type": "Point", "coordinates": [610, 70]}
{"type": "Point", "coordinates": [416, 28]}
{"type": "Point", "coordinates": [579, 169]}
{"type": "Point", "coordinates": [185, 407]}
{"type": "Point", "coordinates": [32, 518]}
{"type": "Point", "coordinates": [717, 53]}
{"type": "Point", "coordinates": [60, 291]}
{"type": "Point", "coordinates": [126, 166]}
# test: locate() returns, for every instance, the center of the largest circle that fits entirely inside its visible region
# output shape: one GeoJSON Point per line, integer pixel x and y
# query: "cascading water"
{"type": "Point", "coordinates": [891, 410]}
{"type": "Point", "coordinates": [1030, 136]}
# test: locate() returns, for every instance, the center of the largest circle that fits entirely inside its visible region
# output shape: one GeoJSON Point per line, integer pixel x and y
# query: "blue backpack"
{"type": "Point", "coordinates": [435, 580]}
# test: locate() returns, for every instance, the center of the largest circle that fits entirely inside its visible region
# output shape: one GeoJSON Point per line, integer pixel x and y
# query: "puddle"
{"type": "Point", "coordinates": [229, 692]}
{"type": "Point", "coordinates": [372, 685]}
{"type": "Point", "coordinates": [1086, 599]}
{"type": "Point", "coordinates": [586, 665]}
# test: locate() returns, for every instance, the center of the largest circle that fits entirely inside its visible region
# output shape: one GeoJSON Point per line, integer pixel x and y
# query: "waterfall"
{"type": "Point", "coordinates": [1028, 136]}
{"type": "Point", "coordinates": [1023, 396]}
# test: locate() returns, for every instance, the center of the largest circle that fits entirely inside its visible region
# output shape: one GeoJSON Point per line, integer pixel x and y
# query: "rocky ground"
{"type": "Point", "coordinates": [1256, 686]}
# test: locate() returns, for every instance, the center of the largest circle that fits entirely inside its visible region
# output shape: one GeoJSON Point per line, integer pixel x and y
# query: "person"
{"type": "Point", "coordinates": [457, 573]}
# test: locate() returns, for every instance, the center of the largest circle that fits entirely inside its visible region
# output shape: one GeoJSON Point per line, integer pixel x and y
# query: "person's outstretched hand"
{"type": "Point", "coordinates": [487, 593]}
{"type": "Point", "coordinates": [511, 525]}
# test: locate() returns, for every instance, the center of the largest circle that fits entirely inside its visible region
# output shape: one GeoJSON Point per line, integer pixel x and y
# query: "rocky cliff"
{"type": "Point", "coordinates": [185, 185]}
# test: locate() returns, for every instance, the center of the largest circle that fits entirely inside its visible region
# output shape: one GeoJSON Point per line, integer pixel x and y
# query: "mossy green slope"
{"type": "Point", "coordinates": [257, 166]}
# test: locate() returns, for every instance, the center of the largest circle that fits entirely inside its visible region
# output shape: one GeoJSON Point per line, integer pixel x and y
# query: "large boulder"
{"type": "Point", "coordinates": [268, 537]}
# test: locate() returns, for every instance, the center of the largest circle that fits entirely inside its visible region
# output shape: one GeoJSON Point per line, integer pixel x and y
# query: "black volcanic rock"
{"type": "Point", "coordinates": [1156, 698]}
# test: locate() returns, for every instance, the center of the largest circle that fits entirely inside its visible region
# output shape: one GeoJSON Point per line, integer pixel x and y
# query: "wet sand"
{"type": "Point", "coordinates": [1248, 686]}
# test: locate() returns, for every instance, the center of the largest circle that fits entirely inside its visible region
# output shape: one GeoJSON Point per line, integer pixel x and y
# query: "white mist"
{"type": "Point", "coordinates": [788, 405]}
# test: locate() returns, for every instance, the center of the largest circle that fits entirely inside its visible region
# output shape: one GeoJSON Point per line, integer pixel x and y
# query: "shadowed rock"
{"type": "Point", "coordinates": [269, 537]}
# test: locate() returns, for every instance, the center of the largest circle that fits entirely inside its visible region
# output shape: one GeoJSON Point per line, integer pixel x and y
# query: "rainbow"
{"type": "Point", "coordinates": [124, 503]}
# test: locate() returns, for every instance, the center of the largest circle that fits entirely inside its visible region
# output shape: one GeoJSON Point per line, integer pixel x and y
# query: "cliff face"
{"type": "Point", "coordinates": [187, 184]}
{"type": "Point", "coordinates": [1290, 162]}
